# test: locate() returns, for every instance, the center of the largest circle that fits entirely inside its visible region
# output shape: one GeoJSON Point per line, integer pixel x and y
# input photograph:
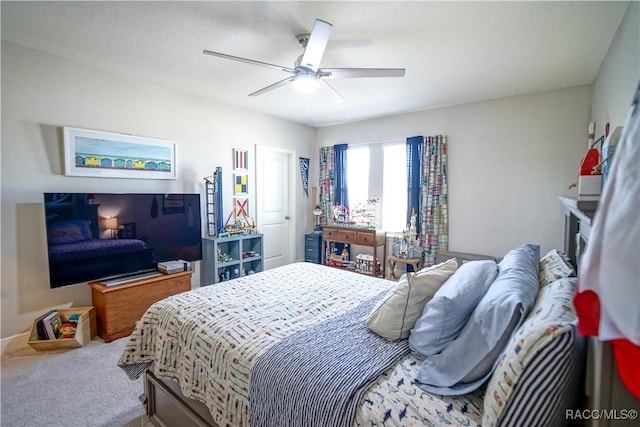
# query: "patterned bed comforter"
{"type": "Point", "coordinates": [208, 339]}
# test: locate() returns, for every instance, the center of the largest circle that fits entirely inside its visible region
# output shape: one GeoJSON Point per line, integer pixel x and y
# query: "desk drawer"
{"type": "Point", "coordinates": [330, 234]}
{"type": "Point", "coordinates": [348, 236]}
{"type": "Point", "coordinates": [367, 239]}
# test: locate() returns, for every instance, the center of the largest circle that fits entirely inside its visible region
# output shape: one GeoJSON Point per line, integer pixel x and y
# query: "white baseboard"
{"type": "Point", "coordinates": [16, 345]}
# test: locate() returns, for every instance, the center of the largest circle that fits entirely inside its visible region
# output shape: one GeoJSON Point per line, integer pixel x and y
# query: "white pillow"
{"type": "Point", "coordinates": [394, 316]}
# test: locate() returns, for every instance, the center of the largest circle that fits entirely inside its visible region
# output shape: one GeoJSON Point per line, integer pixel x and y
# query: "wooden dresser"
{"type": "Point", "coordinates": [373, 239]}
{"type": "Point", "coordinates": [118, 307]}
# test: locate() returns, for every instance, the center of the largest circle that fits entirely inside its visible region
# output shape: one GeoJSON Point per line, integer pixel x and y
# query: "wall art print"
{"type": "Point", "coordinates": [114, 155]}
{"type": "Point", "coordinates": [240, 184]}
{"type": "Point", "coordinates": [241, 208]}
{"type": "Point", "coordinates": [240, 159]}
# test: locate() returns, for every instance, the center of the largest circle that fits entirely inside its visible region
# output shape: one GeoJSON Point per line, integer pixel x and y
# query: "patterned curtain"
{"type": "Point", "coordinates": [327, 183]}
{"type": "Point", "coordinates": [434, 216]}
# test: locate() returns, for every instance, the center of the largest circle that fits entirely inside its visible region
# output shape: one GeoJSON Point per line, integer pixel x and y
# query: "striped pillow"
{"type": "Point", "coordinates": [542, 355]}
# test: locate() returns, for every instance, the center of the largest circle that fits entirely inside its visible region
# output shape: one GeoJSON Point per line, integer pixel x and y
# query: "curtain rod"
{"type": "Point", "coordinates": [390, 141]}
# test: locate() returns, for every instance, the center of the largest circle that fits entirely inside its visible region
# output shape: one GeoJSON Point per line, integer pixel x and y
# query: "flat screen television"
{"type": "Point", "coordinates": [94, 236]}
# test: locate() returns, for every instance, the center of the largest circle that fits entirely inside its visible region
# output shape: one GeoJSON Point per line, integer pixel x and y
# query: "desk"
{"type": "Point", "coordinates": [416, 263]}
{"type": "Point", "coordinates": [373, 239]}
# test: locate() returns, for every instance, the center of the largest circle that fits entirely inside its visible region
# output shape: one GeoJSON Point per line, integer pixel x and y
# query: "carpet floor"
{"type": "Point", "coordinates": [79, 387]}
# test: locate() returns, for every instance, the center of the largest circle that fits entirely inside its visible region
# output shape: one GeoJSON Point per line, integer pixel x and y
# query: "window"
{"type": "Point", "coordinates": [390, 186]}
{"type": "Point", "coordinates": [394, 188]}
{"type": "Point", "coordinates": [357, 175]}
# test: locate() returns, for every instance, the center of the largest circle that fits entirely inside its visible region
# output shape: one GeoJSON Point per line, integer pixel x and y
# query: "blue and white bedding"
{"type": "Point", "coordinates": [395, 400]}
{"type": "Point", "coordinates": [209, 339]}
{"type": "Point", "coordinates": [327, 367]}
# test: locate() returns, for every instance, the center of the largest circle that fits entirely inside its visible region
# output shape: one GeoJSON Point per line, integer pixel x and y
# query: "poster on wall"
{"type": "Point", "coordinates": [112, 155]}
{"type": "Point", "coordinates": [304, 173]}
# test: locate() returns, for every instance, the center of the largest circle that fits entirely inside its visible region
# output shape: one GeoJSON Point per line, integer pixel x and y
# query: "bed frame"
{"type": "Point", "coordinates": [167, 406]}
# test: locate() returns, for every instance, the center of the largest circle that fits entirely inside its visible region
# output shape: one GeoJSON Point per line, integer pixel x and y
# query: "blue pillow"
{"type": "Point", "coordinates": [444, 316]}
{"type": "Point", "coordinates": [499, 312]}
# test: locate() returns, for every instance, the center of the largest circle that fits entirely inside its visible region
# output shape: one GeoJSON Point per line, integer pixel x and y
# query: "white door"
{"type": "Point", "coordinates": [275, 188]}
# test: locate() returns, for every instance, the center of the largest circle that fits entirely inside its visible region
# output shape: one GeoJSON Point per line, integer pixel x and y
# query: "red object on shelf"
{"type": "Point", "coordinates": [590, 161]}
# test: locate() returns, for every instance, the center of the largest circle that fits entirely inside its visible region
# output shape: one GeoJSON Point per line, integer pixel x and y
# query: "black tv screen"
{"type": "Point", "coordinates": [93, 236]}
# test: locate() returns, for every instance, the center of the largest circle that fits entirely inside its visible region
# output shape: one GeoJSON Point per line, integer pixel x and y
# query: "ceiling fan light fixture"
{"type": "Point", "coordinates": [306, 83]}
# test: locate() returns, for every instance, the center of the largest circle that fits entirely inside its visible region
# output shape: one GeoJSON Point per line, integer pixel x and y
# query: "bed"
{"type": "Point", "coordinates": [261, 350]}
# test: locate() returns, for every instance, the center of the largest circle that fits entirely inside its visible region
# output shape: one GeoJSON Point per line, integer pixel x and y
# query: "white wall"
{"type": "Point", "coordinates": [619, 74]}
{"type": "Point", "coordinates": [509, 160]}
{"type": "Point", "coordinates": [42, 93]}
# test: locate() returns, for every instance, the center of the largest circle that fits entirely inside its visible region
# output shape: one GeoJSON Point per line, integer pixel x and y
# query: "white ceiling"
{"type": "Point", "coordinates": [454, 52]}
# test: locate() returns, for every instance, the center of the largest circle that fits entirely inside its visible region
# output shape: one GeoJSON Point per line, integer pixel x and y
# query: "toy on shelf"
{"type": "Point", "coordinates": [341, 259]}
{"type": "Point", "coordinates": [213, 190]}
{"type": "Point", "coordinates": [242, 224]}
{"type": "Point", "coordinates": [223, 257]}
{"type": "Point", "coordinates": [365, 215]}
{"type": "Point", "coordinates": [407, 244]}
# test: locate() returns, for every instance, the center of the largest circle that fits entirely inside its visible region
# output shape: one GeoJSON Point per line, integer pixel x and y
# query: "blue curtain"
{"type": "Point", "coordinates": [415, 146]}
{"type": "Point", "coordinates": [341, 196]}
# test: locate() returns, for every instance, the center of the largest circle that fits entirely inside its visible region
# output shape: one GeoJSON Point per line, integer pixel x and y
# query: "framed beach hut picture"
{"type": "Point", "coordinates": [114, 155]}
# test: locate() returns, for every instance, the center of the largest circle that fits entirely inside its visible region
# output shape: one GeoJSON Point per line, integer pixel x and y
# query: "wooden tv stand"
{"type": "Point", "coordinates": [118, 307]}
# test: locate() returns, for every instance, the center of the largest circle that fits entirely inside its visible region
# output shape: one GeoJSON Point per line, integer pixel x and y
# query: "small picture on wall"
{"type": "Point", "coordinates": [240, 159]}
{"type": "Point", "coordinates": [241, 208]}
{"type": "Point", "coordinates": [240, 184]}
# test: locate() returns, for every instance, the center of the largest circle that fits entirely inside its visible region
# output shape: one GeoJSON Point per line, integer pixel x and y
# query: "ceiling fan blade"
{"type": "Point", "coordinates": [342, 73]}
{"type": "Point", "coordinates": [273, 86]}
{"type": "Point", "coordinates": [316, 45]}
{"type": "Point", "coordinates": [331, 92]}
{"type": "Point", "coordinates": [249, 61]}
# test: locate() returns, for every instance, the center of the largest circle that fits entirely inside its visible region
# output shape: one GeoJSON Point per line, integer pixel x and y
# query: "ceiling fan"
{"type": "Point", "coordinates": [306, 74]}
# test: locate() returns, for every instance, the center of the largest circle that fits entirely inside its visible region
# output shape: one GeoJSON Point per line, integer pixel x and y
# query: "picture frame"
{"type": "Point", "coordinates": [127, 231]}
{"type": "Point", "coordinates": [240, 207]}
{"type": "Point", "coordinates": [240, 159]}
{"type": "Point", "coordinates": [241, 184]}
{"type": "Point", "coordinates": [93, 153]}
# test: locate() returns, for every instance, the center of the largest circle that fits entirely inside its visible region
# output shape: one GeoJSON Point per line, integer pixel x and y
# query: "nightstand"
{"type": "Point", "coordinates": [312, 245]}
